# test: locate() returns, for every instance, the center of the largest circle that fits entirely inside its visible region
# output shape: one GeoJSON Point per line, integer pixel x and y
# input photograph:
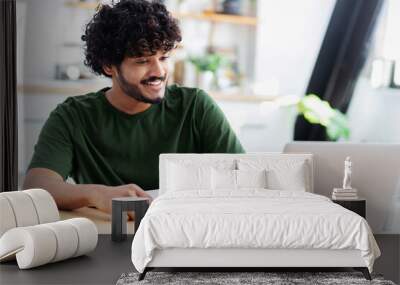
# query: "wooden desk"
{"type": "Point", "coordinates": [101, 219]}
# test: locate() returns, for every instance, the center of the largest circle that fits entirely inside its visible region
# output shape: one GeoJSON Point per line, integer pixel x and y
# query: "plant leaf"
{"type": "Point", "coordinates": [317, 111]}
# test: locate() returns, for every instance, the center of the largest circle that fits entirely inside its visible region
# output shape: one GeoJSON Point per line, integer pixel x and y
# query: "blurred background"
{"type": "Point", "coordinates": [256, 58]}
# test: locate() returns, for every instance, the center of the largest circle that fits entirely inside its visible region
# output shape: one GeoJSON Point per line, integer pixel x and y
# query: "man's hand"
{"type": "Point", "coordinates": [73, 196]}
{"type": "Point", "coordinates": [102, 198]}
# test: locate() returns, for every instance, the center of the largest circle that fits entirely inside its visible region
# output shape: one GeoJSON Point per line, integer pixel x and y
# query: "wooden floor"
{"type": "Point", "coordinates": [110, 260]}
{"type": "Point", "coordinates": [389, 262]}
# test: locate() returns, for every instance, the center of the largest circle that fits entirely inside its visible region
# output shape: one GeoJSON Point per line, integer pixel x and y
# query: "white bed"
{"type": "Point", "coordinates": [215, 225]}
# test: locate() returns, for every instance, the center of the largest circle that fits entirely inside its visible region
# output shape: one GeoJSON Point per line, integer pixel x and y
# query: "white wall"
{"type": "Point", "coordinates": [21, 27]}
{"type": "Point", "coordinates": [261, 127]}
{"type": "Point", "coordinates": [374, 114]}
{"type": "Point", "coordinates": [289, 37]}
{"type": "Point", "coordinates": [50, 24]}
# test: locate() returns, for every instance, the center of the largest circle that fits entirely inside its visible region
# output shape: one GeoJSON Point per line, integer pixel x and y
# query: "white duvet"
{"type": "Point", "coordinates": [252, 218]}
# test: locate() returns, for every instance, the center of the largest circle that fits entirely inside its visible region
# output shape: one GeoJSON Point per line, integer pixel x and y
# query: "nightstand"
{"type": "Point", "coordinates": [358, 206]}
{"type": "Point", "coordinates": [119, 216]}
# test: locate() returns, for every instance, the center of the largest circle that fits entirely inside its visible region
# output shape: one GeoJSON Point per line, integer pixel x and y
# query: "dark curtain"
{"type": "Point", "coordinates": [8, 97]}
{"type": "Point", "coordinates": [343, 53]}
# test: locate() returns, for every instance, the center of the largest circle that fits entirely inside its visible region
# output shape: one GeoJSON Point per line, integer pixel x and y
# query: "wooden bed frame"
{"type": "Point", "coordinates": [255, 259]}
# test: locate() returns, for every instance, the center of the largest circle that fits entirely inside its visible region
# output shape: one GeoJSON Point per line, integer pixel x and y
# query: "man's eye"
{"type": "Point", "coordinates": [143, 61]}
{"type": "Point", "coordinates": [163, 58]}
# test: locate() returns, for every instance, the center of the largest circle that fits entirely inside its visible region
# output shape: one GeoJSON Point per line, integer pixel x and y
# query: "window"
{"type": "Point", "coordinates": [374, 110]}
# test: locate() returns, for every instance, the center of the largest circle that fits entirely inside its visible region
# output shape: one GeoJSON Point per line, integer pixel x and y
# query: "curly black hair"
{"type": "Point", "coordinates": [129, 28]}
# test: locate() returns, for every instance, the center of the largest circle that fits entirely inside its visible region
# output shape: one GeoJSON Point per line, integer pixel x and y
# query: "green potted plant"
{"type": "Point", "coordinates": [317, 111]}
{"type": "Point", "coordinates": [207, 67]}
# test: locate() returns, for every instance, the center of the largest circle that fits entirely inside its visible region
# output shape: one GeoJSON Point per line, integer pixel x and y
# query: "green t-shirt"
{"type": "Point", "coordinates": [91, 141]}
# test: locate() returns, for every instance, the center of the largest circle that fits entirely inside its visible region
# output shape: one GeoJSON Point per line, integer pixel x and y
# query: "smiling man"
{"type": "Point", "coordinates": [109, 141]}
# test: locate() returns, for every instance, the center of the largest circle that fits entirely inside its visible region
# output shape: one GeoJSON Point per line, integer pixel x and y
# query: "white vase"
{"type": "Point", "coordinates": [205, 80]}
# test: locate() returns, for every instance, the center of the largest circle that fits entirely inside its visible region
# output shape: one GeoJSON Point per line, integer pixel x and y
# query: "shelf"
{"type": "Point", "coordinates": [62, 87]}
{"type": "Point", "coordinates": [75, 88]}
{"type": "Point", "coordinates": [240, 97]}
{"type": "Point", "coordinates": [215, 17]}
{"type": "Point", "coordinates": [205, 16]}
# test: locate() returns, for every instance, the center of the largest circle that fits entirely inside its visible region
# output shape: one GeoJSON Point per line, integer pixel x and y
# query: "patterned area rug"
{"type": "Point", "coordinates": [230, 278]}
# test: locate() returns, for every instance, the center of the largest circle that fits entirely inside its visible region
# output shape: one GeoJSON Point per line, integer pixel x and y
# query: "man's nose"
{"type": "Point", "coordinates": [157, 69]}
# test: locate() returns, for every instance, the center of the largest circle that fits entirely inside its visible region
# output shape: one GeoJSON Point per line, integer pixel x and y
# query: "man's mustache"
{"type": "Point", "coordinates": [151, 79]}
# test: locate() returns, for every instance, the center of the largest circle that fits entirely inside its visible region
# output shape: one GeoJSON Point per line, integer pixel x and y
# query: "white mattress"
{"type": "Point", "coordinates": [252, 218]}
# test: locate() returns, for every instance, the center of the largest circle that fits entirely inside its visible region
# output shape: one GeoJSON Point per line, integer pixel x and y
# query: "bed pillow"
{"type": "Point", "coordinates": [189, 173]}
{"type": "Point", "coordinates": [251, 178]}
{"type": "Point", "coordinates": [188, 177]}
{"type": "Point", "coordinates": [227, 179]}
{"type": "Point", "coordinates": [282, 174]}
{"type": "Point", "coordinates": [288, 177]}
{"type": "Point", "coordinates": [223, 179]}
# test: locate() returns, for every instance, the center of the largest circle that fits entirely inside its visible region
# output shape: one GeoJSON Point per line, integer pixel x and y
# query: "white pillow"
{"type": "Point", "coordinates": [288, 177]}
{"type": "Point", "coordinates": [251, 178]}
{"type": "Point", "coordinates": [282, 174]}
{"type": "Point", "coordinates": [227, 179]}
{"type": "Point", "coordinates": [223, 179]}
{"type": "Point", "coordinates": [188, 177]}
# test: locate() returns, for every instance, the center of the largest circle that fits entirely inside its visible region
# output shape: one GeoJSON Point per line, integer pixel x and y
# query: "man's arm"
{"type": "Point", "coordinates": [70, 196]}
{"type": "Point", "coordinates": [52, 163]}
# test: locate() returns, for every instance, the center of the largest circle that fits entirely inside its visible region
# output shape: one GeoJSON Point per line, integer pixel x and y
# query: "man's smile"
{"type": "Point", "coordinates": [155, 84]}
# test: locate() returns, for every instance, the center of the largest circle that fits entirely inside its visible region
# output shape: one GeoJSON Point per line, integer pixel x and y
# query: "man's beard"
{"type": "Point", "coordinates": [134, 92]}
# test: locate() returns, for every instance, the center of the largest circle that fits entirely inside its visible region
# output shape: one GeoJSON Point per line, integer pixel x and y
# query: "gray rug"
{"type": "Point", "coordinates": [230, 278]}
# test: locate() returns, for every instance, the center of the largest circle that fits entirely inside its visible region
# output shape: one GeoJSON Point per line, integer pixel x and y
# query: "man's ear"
{"type": "Point", "coordinates": [108, 70]}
